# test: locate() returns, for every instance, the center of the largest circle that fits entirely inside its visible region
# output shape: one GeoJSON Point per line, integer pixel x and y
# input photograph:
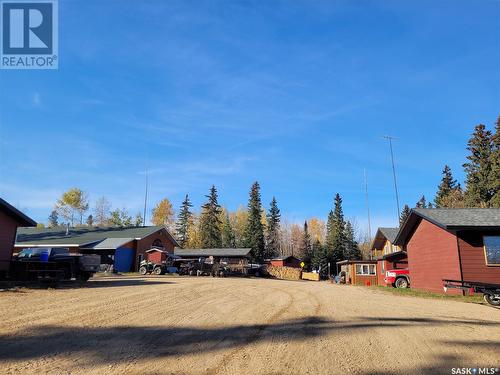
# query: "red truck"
{"type": "Point", "coordinates": [399, 278]}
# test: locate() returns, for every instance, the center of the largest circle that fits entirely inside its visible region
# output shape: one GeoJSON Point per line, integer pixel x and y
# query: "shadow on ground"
{"type": "Point", "coordinates": [13, 286]}
{"type": "Point", "coordinates": [117, 344]}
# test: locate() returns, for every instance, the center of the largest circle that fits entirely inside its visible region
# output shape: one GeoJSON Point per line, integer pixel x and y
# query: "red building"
{"type": "Point", "coordinates": [10, 219]}
{"type": "Point", "coordinates": [289, 261]}
{"type": "Point", "coordinates": [124, 247]}
{"type": "Point", "coordinates": [456, 244]}
{"type": "Point", "coordinates": [388, 255]}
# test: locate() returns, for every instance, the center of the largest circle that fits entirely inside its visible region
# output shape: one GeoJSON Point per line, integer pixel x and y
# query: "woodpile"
{"type": "Point", "coordinates": [313, 276]}
{"type": "Point", "coordinates": [285, 273]}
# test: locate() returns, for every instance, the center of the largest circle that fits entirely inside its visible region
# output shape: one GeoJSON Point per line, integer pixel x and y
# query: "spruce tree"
{"type": "Point", "coordinates": [306, 247]}
{"type": "Point", "coordinates": [495, 167]}
{"type": "Point", "coordinates": [210, 225]}
{"type": "Point", "coordinates": [446, 188]}
{"type": "Point", "coordinates": [254, 232]}
{"type": "Point", "coordinates": [478, 169]}
{"type": "Point", "coordinates": [337, 240]}
{"type": "Point", "coordinates": [273, 230]}
{"type": "Point", "coordinates": [352, 249]}
{"type": "Point", "coordinates": [184, 219]}
{"type": "Point", "coordinates": [228, 238]}
{"type": "Point", "coordinates": [404, 214]}
{"type": "Point", "coordinates": [422, 202]}
{"type": "Point", "coordinates": [53, 219]}
{"type": "Point", "coordinates": [320, 257]}
{"type": "Point", "coordinates": [329, 233]}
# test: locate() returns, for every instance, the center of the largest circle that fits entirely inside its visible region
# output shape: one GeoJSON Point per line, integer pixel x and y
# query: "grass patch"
{"type": "Point", "coordinates": [476, 298]}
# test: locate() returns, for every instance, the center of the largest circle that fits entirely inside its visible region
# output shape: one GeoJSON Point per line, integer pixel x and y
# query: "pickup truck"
{"type": "Point", "coordinates": [399, 278]}
{"type": "Point", "coordinates": [53, 264]}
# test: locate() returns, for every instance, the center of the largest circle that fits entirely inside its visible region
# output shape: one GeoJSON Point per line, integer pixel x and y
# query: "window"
{"type": "Point", "coordinates": [492, 250]}
{"type": "Point", "coordinates": [365, 269]}
{"type": "Point", "coordinates": [158, 243]}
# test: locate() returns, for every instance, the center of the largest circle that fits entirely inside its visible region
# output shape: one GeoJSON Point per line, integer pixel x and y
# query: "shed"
{"type": "Point", "coordinates": [359, 272]}
{"type": "Point", "coordinates": [156, 255]}
{"type": "Point", "coordinates": [451, 243]}
{"type": "Point", "coordinates": [287, 261]}
{"type": "Point", "coordinates": [10, 219]}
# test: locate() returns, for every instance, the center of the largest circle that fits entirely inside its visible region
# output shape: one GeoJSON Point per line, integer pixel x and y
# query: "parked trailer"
{"type": "Point", "coordinates": [52, 264]}
{"type": "Point", "coordinates": [491, 292]}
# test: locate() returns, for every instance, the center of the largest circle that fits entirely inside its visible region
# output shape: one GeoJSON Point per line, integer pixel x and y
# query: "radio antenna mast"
{"type": "Point", "coordinates": [368, 208]}
{"type": "Point", "coordinates": [145, 198]}
{"type": "Point", "coordinates": [390, 139]}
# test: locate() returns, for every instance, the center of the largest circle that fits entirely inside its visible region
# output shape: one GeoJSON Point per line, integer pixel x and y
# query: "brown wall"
{"type": "Point", "coordinates": [8, 227]}
{"type": "Point", "coordinates": [432, 256]}
{"type": "Point", "coordinates": [473, 260]}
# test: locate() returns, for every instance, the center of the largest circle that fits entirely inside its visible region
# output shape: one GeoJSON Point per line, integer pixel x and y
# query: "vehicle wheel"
{"type": "Point", "coordinates": [191, 273]}
{"type": "Point", "coordinates": [198, 273]}
{"type": "Point", "coordinates": [85, 276]}
{"type": "Point", "coordinates": [401, 283]}
{"type": "Point", "coordinates": [157, 271]}
{"type": "Point", "coordinates": [143, 270]}
{"type": "Point", "coordinates": [492, 299]}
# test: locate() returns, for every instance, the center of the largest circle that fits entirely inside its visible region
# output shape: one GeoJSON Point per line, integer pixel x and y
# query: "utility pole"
{"type": "Point", "coordinates": [388, 137]}
{"type": "Point", "coordinates": [368, 208]}
{"type": "Point", "coordinates": [145, 198]}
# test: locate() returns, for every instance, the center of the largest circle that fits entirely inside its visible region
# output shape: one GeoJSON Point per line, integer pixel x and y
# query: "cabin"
{"type": "Point", "coordinates": [122, 247]}
{"type": "Point", "coordinates": [359, 272]}
{"type": "Point", "coordinates": [388, 255]}
{"type": "Point", "coordinates": [286, 261]}
{"type": "Point", "coordinates": [10, 219]}
{"type": "Point", "coordinates": [451, 243]}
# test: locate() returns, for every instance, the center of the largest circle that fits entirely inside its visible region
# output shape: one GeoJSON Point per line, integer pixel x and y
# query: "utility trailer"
{"type": "Point", "coordinates": [52, 265]}
{"type": "Point", "coordinates": [491, 292]}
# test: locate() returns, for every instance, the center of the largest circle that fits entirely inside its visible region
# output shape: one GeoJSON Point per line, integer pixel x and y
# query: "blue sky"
{"type": "Point", "coordinates": [296, 95]}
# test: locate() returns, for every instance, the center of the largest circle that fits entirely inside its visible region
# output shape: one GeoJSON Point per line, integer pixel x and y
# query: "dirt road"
{"type": "Point", "coordinates": [239, 326]}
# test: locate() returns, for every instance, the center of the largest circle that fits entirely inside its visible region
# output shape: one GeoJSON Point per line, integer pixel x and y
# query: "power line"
{"type": "Point", "coordinates": [145, 198]}
{"type": "Point", "coordinates": [368, 208]}
{"type": "Point", "coordinates": [388, 137]}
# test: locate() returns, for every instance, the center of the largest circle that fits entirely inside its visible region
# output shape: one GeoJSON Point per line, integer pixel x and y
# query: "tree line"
{"type": "Point", "coordinates": [482, 176]}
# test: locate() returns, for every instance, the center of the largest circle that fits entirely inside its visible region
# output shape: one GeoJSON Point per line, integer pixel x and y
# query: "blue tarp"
{"type": "Point", "coordinates": [124, 258]}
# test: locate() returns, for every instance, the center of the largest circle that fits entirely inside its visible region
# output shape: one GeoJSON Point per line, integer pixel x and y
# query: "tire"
{"type": "Point", "coordinates": [143, 270]}
{"type": "Point", "coordinates": [191, 273]}
{"type": "Point", "coordinates": [491, 299]}
{"type": "Point", "coordinates": [401, 283]}
{"type": "Point", "coordinates": [198, 273]}
{"type": "Point", "coordinates": [158, 271]}
{"type": "Point", "coordinates": [85, 276]}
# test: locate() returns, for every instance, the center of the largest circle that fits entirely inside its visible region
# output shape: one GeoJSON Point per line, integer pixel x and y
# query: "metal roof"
{"type": "Point", "coordinates": [17, 215]}
{"type": "Point", "coordinates": [382, 235]}
{"type": "Point", "coordinates": [450, 219]}
{"type": "Point", "coordinates": [81, 236]}
{"type": "Point", "coordinates": [108, 244]}
{"type": "Point", "coordinates": [239, 252]}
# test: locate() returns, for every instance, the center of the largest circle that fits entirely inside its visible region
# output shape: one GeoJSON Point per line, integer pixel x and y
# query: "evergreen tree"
{"type": "Point", "coordinates": [404, 214]}
{"type": "Point", "coordinates": [320, 257]}
{"type": "Point", "coordinates": [329, 233]}
{"type": "Point", "coordinates": [446, 187]}
{"type": "Point", "coordinates": [273, 230]}
{"type": "Point", "coordinates": [53, 219]}
{"type": "Point", "coordinates": [254, 233]}
{"type": "Point", "coordinates": [495, 167]}
{"type": "Point", "coordinates": [183, 221]}
{"type": "Point", "coordinates": [479, 172]}
{"type": "Point", "coordinates": [228, 238]}
{"type": "Point", "coordinates": [336, 241]}
{"type": "Point", "coordinates": [352, 249]}
{"type": "Point", "coordinates": [138, 220]}
{"type": "Point", "coordinates": [210, 225]}
{"type": "Point", "coordinates": [90, 220]}
{"type": "Point", "coordinates": [306, 246]}
{"type": "Point", "coordinates": [422, 203]}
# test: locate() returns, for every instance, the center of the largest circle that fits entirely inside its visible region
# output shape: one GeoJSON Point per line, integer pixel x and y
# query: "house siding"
{"type": "Point", "coordinates": [432, 257]}
{"type": "Point", "coordinates": [473, 260]}
{"type": "Point", "coordinates": [8, 227]}
{"type": "Point", "coordinates": [147, 243]}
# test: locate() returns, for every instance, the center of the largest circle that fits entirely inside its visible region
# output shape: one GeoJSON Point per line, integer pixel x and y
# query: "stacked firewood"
{"type": "Point", "coordinates": [285, 273]}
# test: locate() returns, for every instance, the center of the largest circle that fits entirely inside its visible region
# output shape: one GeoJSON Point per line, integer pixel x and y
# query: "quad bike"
{"type": "Point", "coordinates": [146, 267]}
